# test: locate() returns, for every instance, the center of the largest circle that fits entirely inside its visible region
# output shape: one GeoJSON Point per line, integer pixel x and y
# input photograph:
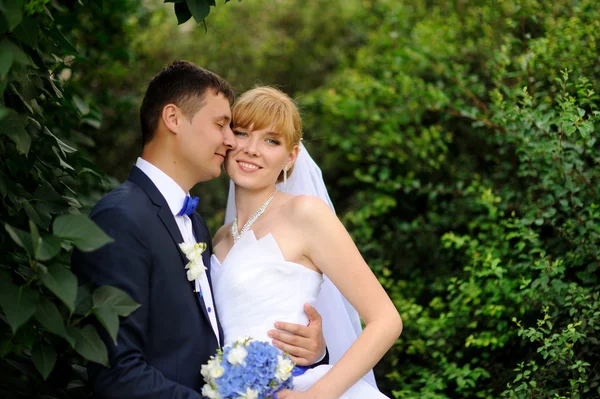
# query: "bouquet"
{"type": "Point", "coordinates": [247, 369]}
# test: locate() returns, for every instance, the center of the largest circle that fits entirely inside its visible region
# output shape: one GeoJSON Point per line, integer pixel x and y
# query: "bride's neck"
{"type": "Point", "coordinates": [248, 201]}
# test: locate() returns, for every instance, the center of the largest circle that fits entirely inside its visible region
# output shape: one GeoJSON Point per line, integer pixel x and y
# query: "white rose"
{"type": "Point", "coordinates": [210, 392]}
{"type": "Point", "coordinates": [204, 370]}
{"type": "Point", "coordinates": [249, 394]}
{"type": "Point", "coordinates": [195, 254]}
{"type": "Point", "coordinates": [195, 270]}
{"type": "Point", "coordinates": [211, 370]}
{"type": "Point", "coordinates": [186, 247]}
{"type": "Point", "coordinates": [284, 368]}
{"type": "Point", "coordinates": [216, 372]}
{"type": "Point", "coordinates": [237, 355]}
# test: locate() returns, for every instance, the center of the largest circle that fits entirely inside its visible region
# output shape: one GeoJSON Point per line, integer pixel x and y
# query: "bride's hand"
{"type": "Point", "coordinates": [287, 394]}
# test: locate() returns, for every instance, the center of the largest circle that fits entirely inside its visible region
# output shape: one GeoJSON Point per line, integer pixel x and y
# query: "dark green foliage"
{"type": "Point", "coordinates": [45, 321]}
{"type": "Point", "coordinates": [463, 142]}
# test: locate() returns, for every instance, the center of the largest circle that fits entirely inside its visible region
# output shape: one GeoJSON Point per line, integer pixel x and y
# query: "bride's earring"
{"type": "Point", "coordinates": [285, 170]}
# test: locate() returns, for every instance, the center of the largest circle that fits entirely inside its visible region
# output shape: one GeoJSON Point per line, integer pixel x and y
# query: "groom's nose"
{"type": "Point", "coordinates": [229, 138]}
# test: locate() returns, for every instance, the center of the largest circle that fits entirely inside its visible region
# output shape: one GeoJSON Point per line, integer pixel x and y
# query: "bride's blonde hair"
{"type": "Point", "coordinates": [267, 107]}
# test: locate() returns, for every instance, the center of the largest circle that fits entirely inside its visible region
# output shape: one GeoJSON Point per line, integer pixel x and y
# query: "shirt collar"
{"type": "Point", "coordinates": [171, 191]}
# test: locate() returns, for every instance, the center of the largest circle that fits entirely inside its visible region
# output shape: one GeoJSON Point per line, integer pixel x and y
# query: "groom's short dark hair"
{"type": "Point", "coordinates": [181, 83]}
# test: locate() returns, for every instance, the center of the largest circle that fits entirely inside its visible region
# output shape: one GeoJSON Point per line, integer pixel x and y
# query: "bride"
{"type": "Point", "coordinates": [280, 249]}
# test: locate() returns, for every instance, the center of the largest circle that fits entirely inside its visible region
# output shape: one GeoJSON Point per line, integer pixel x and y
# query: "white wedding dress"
{"type": "Point", "coordinates": [255, 286]}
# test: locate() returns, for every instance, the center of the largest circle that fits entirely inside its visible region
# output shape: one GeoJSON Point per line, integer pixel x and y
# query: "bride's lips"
{"type": "Point", "coordinates": [248, 167]}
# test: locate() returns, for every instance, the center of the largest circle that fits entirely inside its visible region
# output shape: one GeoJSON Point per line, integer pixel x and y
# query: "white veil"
{"type": "Point", "coordinates": [341, 323]}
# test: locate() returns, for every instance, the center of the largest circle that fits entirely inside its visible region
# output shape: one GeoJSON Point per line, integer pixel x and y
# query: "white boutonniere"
{"type": "Point", "coordinates": [193, 252]}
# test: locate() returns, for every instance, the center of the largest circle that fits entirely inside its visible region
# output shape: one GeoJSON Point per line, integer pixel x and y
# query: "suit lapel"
{"type": "Point", "coordinates": [168, 220]}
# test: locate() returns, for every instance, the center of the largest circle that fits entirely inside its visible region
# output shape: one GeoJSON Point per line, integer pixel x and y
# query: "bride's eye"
{"type": "Point", "coordinates": [238, 133]}
{"type": "Point", "coordinates": [273, 141]}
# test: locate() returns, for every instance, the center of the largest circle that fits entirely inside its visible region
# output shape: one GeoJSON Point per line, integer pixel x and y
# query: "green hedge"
{"type": "Point", "coordinates": [46, 331]}
{"type": "Point", "coordinates": [463, 141]}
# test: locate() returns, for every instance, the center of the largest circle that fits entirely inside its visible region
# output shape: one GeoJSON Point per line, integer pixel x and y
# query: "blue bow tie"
{"type": "Point", "coordinates": [189, 206]}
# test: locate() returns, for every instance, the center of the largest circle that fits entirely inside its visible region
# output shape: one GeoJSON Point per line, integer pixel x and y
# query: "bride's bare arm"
{"type": "Point", "coordinates": [333, 251]}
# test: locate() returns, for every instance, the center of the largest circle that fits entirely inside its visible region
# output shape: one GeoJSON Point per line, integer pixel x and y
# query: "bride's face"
{"type": "Point", "coordinates": [259, 157]}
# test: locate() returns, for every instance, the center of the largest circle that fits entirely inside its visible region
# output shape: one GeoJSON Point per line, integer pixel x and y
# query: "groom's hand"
{"type": "Point", "coordinates": [305, 344]}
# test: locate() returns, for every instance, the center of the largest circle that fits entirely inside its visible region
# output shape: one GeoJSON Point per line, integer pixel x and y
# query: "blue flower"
{"type": "Point", "coordinates": [256, 373]}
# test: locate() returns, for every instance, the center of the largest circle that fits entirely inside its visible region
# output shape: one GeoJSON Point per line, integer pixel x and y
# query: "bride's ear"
{"type": "Point", "coordinates": [293, 155]}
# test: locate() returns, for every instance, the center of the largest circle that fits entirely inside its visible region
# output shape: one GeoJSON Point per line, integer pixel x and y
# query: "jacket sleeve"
{"type": "Point", "coordinates": [126, 264]}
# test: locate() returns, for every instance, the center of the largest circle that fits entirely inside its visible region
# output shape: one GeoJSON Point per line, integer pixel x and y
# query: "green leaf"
{"type": "Point", "coordinates": [22, 238]}
{"type": "Point", "coordinates": [116, 299]}
{"type": "Point", "coordinates": [27, 32]}
{"type": "Point", "coordinates": [182, 12]}
{"type": "Point", "coordinates": [6, 346]}
{"type": "Point", "coordinates": [174, 1]}
{"type": "Point", "coordinates": [18, 55]}
{"type": "Point", "coordinates": [6, 61]}
{"type": "Point", "coordinates": [89, 345]}
{"type": "Point", "coordinates": [109, 319]}
{"type": "Point", "coordinates": [64, 147]}
{"type": "Point", "coordinates": [62, 283]}
{"type": "Point", "coordinates": [585, 129]}
{"type": "Point", "coordinates": [44, 358]}
{"type": "Point", "coordinates": [72, 201]}
{"type": "Point", "coordinates": [14, 127]}
{"type": "Point", "coordinates": [50, 248]}
{"type": "Point", "coordinates": [47, 193]}
{"type": "Point", "coordinates": [84, 303]}
{"type": "Point", "coordinates": [13, 12]}
{"type": "Point", "coordinates": [49, 317]}
{"type": "Point", "coordinates": [62, 161]}
{"type": "Point", "coordinates": [199, 9]}
{"type": "Point", "coordinates": [35, 237]}
{"type": "Point", "coordinates": [18, 304]}
{"type": "Point", "coordinates": [57, 35]}
{"type": "Point", "coordinates": [82, 231]}
{"type": "Point", "coordinates": [44, 223]}
{"type": "Point", "coordinates": [81, 105]}
{"type": "Point", "coordinates": [3, 188]}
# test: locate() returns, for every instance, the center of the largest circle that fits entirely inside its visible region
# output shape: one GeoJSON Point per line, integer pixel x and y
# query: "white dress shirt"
{"type": "Point", "coordinates": [175, 197]}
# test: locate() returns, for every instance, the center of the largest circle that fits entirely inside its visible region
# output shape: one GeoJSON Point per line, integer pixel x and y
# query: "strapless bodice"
{"type": "Point", "coordinates": [255, 286]}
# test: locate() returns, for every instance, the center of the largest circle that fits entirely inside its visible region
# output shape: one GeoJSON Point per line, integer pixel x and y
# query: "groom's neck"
{"type": "Point", "coordinates": [168, 163]}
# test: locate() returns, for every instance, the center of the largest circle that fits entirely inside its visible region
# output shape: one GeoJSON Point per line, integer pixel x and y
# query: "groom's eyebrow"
{"type": "Point", "coordinates": [224, 118]}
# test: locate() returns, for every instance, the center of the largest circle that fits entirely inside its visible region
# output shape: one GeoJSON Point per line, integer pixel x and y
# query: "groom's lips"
{"type": "Point", "coordinates": [246, 168]}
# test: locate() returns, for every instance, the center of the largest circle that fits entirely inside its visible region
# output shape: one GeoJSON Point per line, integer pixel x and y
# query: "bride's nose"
{"type": "Point", "coordinates": [252, 148]}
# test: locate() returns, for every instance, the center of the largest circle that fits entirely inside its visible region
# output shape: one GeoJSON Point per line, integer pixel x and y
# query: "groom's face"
{"type": "Point", "coordinates": [206, 138]}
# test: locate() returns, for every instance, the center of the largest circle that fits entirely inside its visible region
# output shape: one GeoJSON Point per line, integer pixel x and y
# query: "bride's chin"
{"type": "Point", "coordinates": [252, 184]}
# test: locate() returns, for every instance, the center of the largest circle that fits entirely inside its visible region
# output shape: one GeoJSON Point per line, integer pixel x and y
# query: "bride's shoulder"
{"type": "Point", "coordinates": [309, 207]}
{"type": "Point", "coordinates": [222, 233]}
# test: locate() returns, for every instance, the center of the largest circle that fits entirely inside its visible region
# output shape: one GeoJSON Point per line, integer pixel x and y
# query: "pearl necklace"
{"type": "Point", "coordinates": [246, 227]}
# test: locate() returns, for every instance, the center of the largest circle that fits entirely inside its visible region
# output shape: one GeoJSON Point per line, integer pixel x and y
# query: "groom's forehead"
{"type": "Point", "coordinates": [217, 106]}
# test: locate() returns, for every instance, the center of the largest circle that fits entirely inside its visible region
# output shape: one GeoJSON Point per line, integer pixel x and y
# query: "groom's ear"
{"type": "Point", "coordinates": [172, 117]}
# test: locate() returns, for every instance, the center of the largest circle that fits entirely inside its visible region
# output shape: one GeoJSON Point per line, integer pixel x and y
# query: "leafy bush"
{"type": "Point", "coordinates": [462, 140]}
{"type": "Point", "coordinates": [46, 322]}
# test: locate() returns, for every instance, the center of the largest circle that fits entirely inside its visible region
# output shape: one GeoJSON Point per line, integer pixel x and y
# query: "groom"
{"type": "Point", "coordinates": [185, 118]}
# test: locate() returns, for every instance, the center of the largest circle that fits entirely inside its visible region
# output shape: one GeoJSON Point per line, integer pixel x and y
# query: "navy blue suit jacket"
{"type": "Point", "coordinates": [162, 345]}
